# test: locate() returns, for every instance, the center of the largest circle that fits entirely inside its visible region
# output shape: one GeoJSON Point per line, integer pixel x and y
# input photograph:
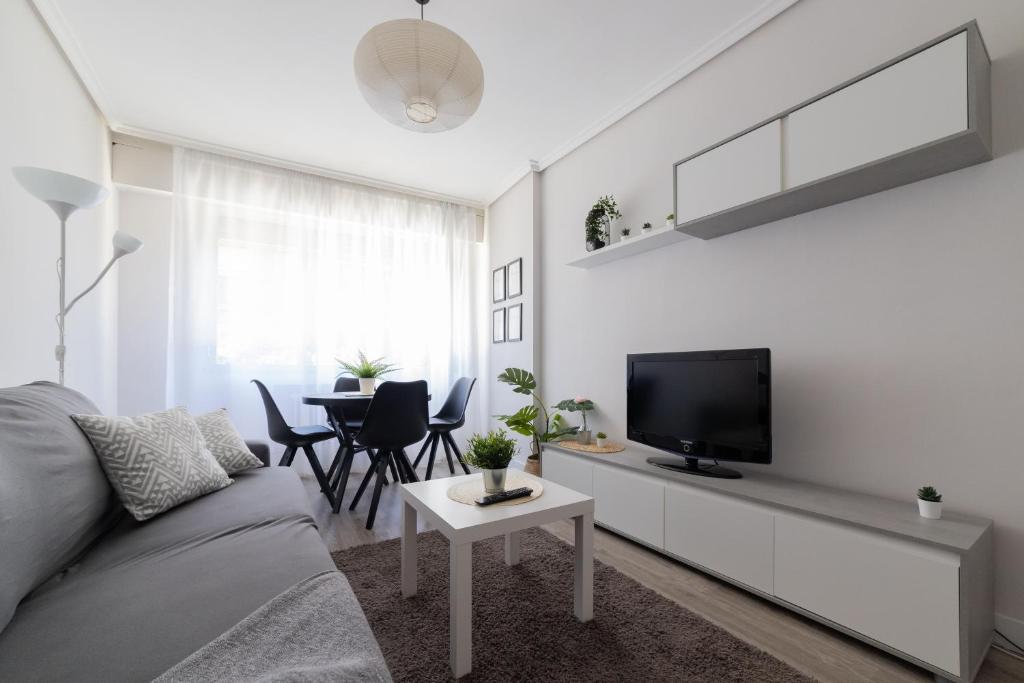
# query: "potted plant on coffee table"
{"type": "Point", "coordinates": [929, 502]}
{"type": "Point", "coordinates": [491, 453]}
{"type": "Point", "coordinates": [367, 371]}
{"type": "Point", "coordinates": [582, 405]}
{"type": "Point", "coordinates": [528, 420]}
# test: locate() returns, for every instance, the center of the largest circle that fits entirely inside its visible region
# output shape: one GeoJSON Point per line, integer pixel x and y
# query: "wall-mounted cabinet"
{"type": "Point", "coordinates": [924, 113]}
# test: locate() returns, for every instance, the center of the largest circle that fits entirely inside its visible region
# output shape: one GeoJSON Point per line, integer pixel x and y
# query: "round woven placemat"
{"type": "Point", "coordinates": [592, 447]}
{"type": "Point", "coordinates": [468, 491]}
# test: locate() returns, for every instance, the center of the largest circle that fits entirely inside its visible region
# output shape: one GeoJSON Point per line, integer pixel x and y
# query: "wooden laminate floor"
{"type": "Point", "coordinates": [807, 646]}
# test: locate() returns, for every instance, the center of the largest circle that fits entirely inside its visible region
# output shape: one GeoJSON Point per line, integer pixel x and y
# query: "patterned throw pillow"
{"type": "Point", "coordinates": [155, 461]}
{"type": "Point", "coordinates": [225, 443]}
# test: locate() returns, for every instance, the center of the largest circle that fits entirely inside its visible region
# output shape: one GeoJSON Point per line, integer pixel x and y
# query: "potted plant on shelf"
{"type": "Point", "coordinates": [598, 224]}
{"type": "Point", "coordinates": [646, 229]}
{"type": "Point", "coordinates": [525, 420]}
{"type": "Point", "coordinates": [491, 453]}
{"type": "Point", "coordinates": [581, 405]}
{"type": "Point", "coordinates": [625, 234]}
{"type": "Point", "coordinates": [366, 371]}
{"type": "Point", "coordinates": [670, 221]}
{"type": "Point", "coordinates": [602, 439]}
{"type": "Point", "coordinates": [929, 502]}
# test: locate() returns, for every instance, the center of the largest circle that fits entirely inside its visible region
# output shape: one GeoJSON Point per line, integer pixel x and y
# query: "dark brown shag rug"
{"type": "Point", "coordinates": [523, 628]}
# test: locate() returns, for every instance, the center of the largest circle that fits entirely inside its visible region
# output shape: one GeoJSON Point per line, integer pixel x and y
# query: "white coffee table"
{"type": "Point", "coordinates": [462, 524]}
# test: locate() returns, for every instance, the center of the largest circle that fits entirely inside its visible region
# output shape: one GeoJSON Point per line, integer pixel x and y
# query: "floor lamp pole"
{"type": "Point", "coordinates": [61, 275]}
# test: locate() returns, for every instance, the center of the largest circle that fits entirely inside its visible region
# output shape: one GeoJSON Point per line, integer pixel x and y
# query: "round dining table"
{"type": "Point", "coordinates": [335, 404]}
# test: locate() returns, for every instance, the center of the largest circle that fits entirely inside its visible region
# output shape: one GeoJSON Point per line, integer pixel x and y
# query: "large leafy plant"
{"type": "Point", "coordinates": [599, 219]}
{"type": "Point", "coordinates": [528, 420]}
{"type": "Point", "coordinates": [576, 405]}
{"type": "Point", "coordinates": [365, 368]}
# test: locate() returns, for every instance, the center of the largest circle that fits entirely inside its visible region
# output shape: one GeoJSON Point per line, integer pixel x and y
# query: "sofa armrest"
{"type": "Point", "coordinates": [260, 450]}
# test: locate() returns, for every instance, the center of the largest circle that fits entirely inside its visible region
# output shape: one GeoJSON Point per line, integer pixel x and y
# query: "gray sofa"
{"type": "Point", "coordinates": [89, 594]}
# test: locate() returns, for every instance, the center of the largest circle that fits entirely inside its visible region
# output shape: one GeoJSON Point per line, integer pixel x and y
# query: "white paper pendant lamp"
{"type": "Point", "coordinates": [419, 75]}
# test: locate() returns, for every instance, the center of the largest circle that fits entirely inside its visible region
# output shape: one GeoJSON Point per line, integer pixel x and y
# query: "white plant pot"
{"type": "Point", "coordinates": [366, 385]}
{"type": "Point", "coordinates": [646, 231]}
{"type": "Point", "coordinates": [929, 509]}
{"type": "Point", "coordinates": [494, 480]}
{"type": "Point", "coordinates": [669, 225]}
{"type": "Point", "coordinates": [623, 238]}
{"type": "Point", "coordinates": [601, 443]}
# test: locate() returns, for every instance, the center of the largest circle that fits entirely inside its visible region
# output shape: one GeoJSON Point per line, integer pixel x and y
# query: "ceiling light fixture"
{"type": "Point", "coordinates": [419, 75]}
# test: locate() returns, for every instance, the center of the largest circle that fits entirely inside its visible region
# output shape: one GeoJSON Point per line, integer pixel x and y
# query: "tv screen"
{"type": "Point", "coordinates": [713, 405]}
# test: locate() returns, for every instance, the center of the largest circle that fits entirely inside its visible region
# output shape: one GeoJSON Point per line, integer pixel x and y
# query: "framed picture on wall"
{"type": "Point", "coordinates": [514, 323]}
{"type": "Point", "coordinates": [498, 285]}
{"type": "Point", "coordinates": [514, 277]}
{"type": "Point", "coordinates": [498, 326]}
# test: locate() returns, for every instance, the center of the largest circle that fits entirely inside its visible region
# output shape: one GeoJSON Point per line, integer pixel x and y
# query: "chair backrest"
{"type": "Point", "coordinates": [454, 407]}
{"type": "Point", "coordinates": [397, 416]}
{"type": "Point", "coordinates": [346, 384]}
{"type": "Point", "coordinates": [277, 428]}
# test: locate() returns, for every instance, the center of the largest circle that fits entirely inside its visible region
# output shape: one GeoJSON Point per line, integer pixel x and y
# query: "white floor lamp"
{"type": "Point", "coordinates": [65, 194]}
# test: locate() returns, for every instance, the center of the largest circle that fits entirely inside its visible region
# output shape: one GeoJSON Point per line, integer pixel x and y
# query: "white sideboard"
{"type": "Point", "coordinates": [921, 114]}
{"type": "Point", "coordinates": [867, 566]}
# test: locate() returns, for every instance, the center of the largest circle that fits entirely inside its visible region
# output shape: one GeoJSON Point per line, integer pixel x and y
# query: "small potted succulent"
{"type": "Point", "coordinates": [929, 502]}
{"type": "Point", "coordinates": [367, 371]}
{"type": "Point", "coordinates": [602, 439]}
{"type": "Point", "coordinates": [491, 453]}
{"type": "Point", "coordinates": [670, 221]}
{"type": "Point", "coordinates": [646, 229]}
{"type": "Point", "coordinates": [582, 405]}
{"type": "Point", "coordinates": [625, 234]}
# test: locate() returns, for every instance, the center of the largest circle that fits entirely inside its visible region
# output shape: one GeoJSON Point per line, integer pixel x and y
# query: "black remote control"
{"type": "Point", "coordinates": [504, 495]}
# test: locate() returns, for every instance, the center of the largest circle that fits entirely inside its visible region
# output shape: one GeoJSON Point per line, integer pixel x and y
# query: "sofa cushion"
{"type": "Point", "coordinates": [54, 497]}
{"type": "Point", "coordinates": [151, 594]}
{"type": "Point", "coordinates": [225, 443]}
{"type": "Point", "coordinates": [154, 461]}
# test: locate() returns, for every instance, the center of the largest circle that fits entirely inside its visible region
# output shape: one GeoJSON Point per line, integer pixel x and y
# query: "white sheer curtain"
{"type": "Point", "coordinates": [275, 274]}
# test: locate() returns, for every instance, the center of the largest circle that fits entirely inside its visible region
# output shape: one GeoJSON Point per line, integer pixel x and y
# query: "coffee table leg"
{"type": "Point", "coordinates": [461, 608]}
{"type": "Point", "coordinates": [583, 579]}
{"type": "Point", "coordinates": [408, 550]}
{"type": "Point", "coordinates": [512, 548]}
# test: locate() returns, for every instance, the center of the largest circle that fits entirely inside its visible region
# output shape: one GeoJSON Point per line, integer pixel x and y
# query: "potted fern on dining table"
{"type": "Point", "coordinates": [366, 371]}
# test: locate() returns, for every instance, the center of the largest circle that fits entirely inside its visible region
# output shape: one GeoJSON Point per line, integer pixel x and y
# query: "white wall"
{"type": "Point", "coordinates": [48, 120]}
{"type": "Point", "coordinates": [511, 228]}
{"type": "Point", "coordinates": [895, 320]}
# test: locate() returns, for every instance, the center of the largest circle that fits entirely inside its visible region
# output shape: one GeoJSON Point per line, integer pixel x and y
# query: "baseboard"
{"type": "Point", "coordinates": [1011, 627]}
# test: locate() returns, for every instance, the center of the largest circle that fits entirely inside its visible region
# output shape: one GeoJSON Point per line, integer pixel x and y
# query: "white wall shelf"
{"type": "Point", "coordinates": [658, 237]}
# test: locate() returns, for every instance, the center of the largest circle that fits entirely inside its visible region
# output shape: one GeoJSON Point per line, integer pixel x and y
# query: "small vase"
{"type": "Point", "coordinates": [494, 480]}
{"type": "Point", "coordinates": [646, 231]}
{"type": "Point", "coordinates": [366, 385]}
{"type": "Point", "coordinates": [670, 224]}
{"type": "Point", "coordinates": [929, 509]}
{"type": "Point", "coordinates": [623, 238]}
{"type": "Point", "coordinates": [601, 443]}
{"type": "Point", "coordinates": [583, 437]}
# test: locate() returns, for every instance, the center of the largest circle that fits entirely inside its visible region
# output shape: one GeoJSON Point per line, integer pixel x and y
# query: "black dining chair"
{"type": "Point", "coordinates": [348, 423]}
{"type": "Point", "coordinates": [294, 438]}
{"type": "Point", "coordinates": [451, 416]}
{"type": "Point", "coordinates": [396, 418]}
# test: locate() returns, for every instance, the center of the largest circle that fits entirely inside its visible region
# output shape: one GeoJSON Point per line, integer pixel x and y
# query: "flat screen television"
{"type": "Point", "coordinates": [701, 405]}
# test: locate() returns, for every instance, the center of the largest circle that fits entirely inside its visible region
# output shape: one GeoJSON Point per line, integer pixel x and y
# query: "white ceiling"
{"type": "Point", "coordinates": [273, 78]}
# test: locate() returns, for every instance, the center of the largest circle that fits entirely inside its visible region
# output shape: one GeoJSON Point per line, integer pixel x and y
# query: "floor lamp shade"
{"type": "Point", "coordinates": [62, 192]}
{"type": "Point", "coordinates": [419, 75]}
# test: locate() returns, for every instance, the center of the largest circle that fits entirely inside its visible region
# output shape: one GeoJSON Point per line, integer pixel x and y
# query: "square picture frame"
{"type": "Point", "coordinates": [498, 285]}
{"type": "Point", "coordinates": [498, 326]}
{"type": "Point", "coordinates": [514, 323]}
{"type": "Point", "coordinates": [514, 278]}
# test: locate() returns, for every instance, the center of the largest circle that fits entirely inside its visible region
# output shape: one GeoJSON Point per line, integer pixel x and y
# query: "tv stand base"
{"type": "Point", "coordinates": [694, 466]}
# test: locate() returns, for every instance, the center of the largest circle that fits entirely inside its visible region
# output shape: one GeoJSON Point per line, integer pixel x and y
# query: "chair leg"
{"type": "Point", "coordinates": [287, 457]}
{"type": "Point", "coordinates": [423, 449]}
{"type": "Point", "coordinates": [337, 461]}
{"type": "Point", "coordinates": [458, 453]}
{"type": "Point", "coordinates": [403, 460]}
{"type": "Point", "coordinates": [342, 483]}
{"type": "Point", "coordinates": [394, 470]}
{"type": "Point", "coordinates": [318, 471]}
{"type": "Point", "coordinates": [447, 454]}
{"type": "Point", "coordinates": [433, 452]}
{"type": "Point", "coordinates": [366, 478]}
{"type": "Point", "coordinates": [382, 465]}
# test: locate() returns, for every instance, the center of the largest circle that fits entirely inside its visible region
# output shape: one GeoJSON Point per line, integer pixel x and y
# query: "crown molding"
{"type": "Point", "coordinates": [224, 150]}
{"type": "Point", "coordinates": [716, 46]}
